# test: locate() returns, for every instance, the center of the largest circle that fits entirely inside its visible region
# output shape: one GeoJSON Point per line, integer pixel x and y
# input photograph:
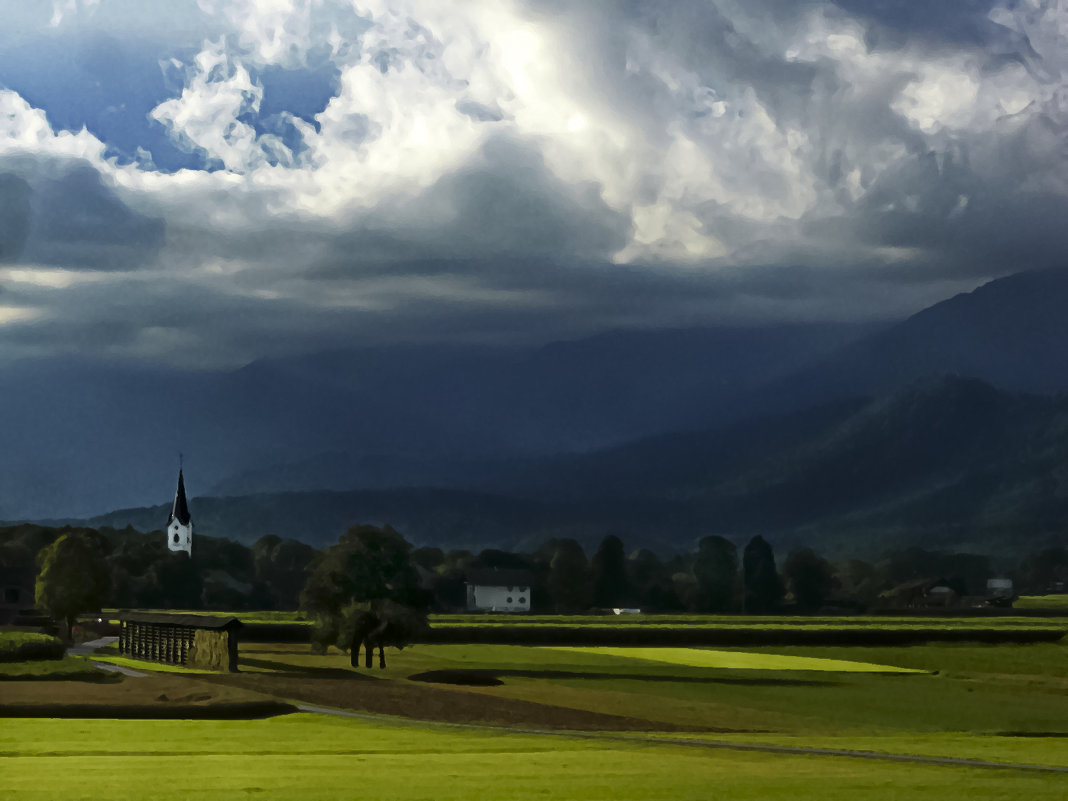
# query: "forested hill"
{"type": "Point", "coordinates": [953, 462]}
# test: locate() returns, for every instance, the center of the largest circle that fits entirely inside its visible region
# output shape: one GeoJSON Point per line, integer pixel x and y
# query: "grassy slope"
{"type": "Point", "coordinates": [302, 756]}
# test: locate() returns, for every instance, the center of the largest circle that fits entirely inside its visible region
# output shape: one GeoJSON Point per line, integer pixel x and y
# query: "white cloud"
{"type": "Point", "coordinates": [700, 135]}
{"type": "Point", "coordinates": [207, 115]}
{"type": "Point", "coordinates": [25, 129]}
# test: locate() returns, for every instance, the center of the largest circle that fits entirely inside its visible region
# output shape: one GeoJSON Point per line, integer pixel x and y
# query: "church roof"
{"type": "Point", "coordinates": [180, 509]}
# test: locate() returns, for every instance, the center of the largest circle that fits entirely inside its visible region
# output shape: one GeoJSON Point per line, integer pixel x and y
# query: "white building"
{"type": "Point", "coordinates": [180, 524]}
{"type": "Point", "coordinates": [498, 591]}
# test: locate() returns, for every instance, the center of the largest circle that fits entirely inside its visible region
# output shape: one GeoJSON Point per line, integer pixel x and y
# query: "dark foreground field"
{"type": "Point", "coordinates": [493, 721]}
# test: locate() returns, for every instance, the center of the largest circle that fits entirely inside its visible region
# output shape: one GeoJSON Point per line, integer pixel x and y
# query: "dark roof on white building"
{"type": "Point", "coordinates": [498, 577]}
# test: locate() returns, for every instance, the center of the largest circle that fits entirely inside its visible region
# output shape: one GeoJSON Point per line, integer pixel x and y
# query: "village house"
{"type": "Point", "coordinates": [498, 590]}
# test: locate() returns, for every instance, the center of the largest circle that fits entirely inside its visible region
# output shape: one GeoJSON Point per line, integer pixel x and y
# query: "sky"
{"type": "Point", "coordinates": [202, 183]}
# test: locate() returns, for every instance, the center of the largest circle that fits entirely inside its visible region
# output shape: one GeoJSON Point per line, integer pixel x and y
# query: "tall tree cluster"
{"type": "Point", "coordinates": [364, 592]}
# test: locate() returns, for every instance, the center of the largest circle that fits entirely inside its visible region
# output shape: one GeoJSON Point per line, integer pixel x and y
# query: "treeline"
{"type": "Point", "coordinates": [138, 571]}
{"type": "Point", "coordinates": [717, 578]}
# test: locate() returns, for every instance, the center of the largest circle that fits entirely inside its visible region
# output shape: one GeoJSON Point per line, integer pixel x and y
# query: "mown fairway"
{"type": "Point", "coordinates": [310, 757]}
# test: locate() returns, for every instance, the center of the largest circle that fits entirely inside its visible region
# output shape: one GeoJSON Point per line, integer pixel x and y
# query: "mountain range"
{"type": "Point", "coordinates": [946, 427]}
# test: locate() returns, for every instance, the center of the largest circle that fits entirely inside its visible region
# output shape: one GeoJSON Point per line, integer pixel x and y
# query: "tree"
{"type": "Point", "coordinates": [809, 578]}
{"type": "Point", "coordinates": [72, 578]}
{"type": "Point", "coordinates": [364, 591]}
{"type": "Point", "coordinates": [281, 564]}
{"type": "Point", "coordinates": [763, 590]}
{"type": "Point", "coordinates": [428, 557]}
{"type": "Point", "coordinates": [569, 576]}
{"type": "Point", "coordinates": [377, 624]}
{"type": "Point", "coordinates": [715, 569]}
{"type": "Point", "coordinates": [611, 587]}
{"type": "Point", "coordinates": [174, 582]}
{"type": "Point", "coordinates": [859, 581]}
{"type": "Point", "coordinates": [1042, 572]}
{"type": "Point", "coordinates": [652, 581]}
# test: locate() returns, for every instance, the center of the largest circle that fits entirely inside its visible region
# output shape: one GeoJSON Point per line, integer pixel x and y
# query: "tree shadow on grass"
{"type": "Point", "coordinates": [287, 669]}
{"type": "Point", "coordinates": [491, 678]}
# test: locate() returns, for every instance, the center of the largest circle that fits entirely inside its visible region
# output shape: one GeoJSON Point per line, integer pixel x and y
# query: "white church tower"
{"type": "Point", "coordinates": [180, 524]}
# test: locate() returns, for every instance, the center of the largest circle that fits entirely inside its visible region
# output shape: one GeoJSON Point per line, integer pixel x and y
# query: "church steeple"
{"type": "Point", "coordinates": [179, 522]}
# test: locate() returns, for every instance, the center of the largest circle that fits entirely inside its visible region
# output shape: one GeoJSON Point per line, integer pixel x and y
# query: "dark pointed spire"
{"type": "Point", "coordinates": [180, 509]}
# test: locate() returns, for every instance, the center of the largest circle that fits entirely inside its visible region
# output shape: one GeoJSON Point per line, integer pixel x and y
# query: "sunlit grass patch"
{"type": "Point", "coordinates": [739, 660]}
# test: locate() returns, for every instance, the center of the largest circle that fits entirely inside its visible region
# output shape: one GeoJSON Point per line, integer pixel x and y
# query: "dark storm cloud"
{"type": "Point", "coordinates": [503, 203]}
{"type": "Point", "coordinates": [15, 215]}
{"type": "Point", "coordinates": [60, 213]}
{"type": "Point", "coordinates": [613, 164]}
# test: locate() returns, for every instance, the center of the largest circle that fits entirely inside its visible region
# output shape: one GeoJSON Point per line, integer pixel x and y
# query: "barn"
{"type": "Point", "coordinates": [194, 641]}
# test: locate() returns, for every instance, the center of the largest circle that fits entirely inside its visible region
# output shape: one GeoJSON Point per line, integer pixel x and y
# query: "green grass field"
{"type": "Point", "coordinates": [310, 757]}
{"type": "Point", "coordinates": [963, 688]}
{"type": "Point", "coordinates": [999, 703]}
{"type": "Point", "coordinates": [1059, 602]}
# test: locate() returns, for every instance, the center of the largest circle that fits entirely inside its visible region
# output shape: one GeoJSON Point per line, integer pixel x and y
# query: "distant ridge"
{"type": "Point", "coordinates": [946, 462]}
{"type": "Point", "coordinates": [1011, 332]}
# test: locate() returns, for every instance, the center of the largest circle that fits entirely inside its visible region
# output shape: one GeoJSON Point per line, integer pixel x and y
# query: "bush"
{"type": "Point", "coordinates": [23, 646]}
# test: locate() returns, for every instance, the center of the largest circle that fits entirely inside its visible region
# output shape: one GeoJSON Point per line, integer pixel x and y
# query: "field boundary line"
{"type": "Point", "coordinates": [768, 748]}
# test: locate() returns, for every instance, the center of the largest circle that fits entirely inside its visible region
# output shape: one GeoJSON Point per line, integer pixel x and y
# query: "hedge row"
{"type": "Point", "coordinates": [596, 635]}
{"type": "Point", "coordinates": [275, 632]}
{"type": "Point", "coordinates": [520, 634]}
{"type": "Point", "coordinates": [26, 646]}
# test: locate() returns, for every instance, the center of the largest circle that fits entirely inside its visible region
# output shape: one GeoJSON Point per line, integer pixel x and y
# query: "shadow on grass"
{"type": "Point", "coordinates": [245, 710]}
{"type": "Point", "coordinates": [491, 678]}
{"type": "Point", "coordinates": [288, 669]}
{"type": "Point", "coordinates": [95, 677]}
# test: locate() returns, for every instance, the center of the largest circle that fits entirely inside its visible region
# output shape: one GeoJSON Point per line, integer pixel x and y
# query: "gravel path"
{"type": "Point", "coordinates": [87, 648]}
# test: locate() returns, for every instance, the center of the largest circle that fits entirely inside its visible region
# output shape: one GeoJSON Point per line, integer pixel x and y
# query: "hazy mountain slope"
{"type": "Point", "coordinates": [1011, 332]}
{"type": "Point", "coordinates": [943, 463]}
{"type": "Point", "coordinates": [585, 395]}
{"type": "Point", "coordinates": [79, 438]}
